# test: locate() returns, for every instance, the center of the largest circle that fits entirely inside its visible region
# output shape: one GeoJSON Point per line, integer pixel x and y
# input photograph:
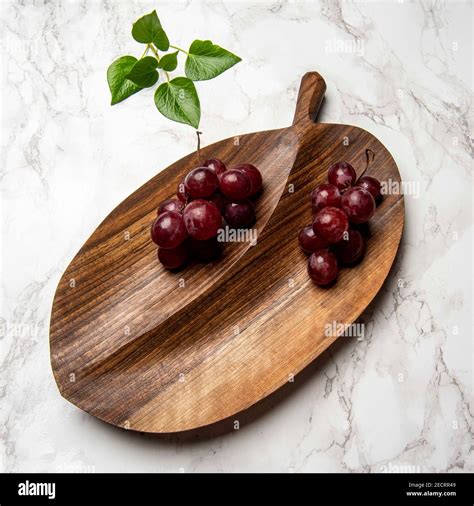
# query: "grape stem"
{"type": "Point", "coordinates": [368, 161]}
{"type": "Point", "coordinates": [369, 158]}
{"type": "Point", "coordinates": [198, 152]}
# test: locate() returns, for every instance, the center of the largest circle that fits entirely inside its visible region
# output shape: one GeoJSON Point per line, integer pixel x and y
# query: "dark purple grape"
{"type": "Point", "coordinates": [325, 195]}
{"type": "Point", "coordinates": [202, 219]}
{"type": "Point", "coordinates": [170, 205]}
{"type": "Point", "coordinates": [173, 258]}
{"type": "Point", "coordinates": [330, 224]}
{"type": "Point", "coordinates": [235, 184]}
{"type": "Point", "coordinates": [351, 248]}
{"type": "Point", "coordinates": [372, 185]}
{"type": "Point", "coordinates": [253, 174]}
{"type": "Point", "coordinates": [322, 267]}
{"type": "Point", "coordinates": [358, 204]}
{"type": "Point", "coordinates": [219, 200]}
{"type": "Point", "coordinates": [309, 241]}
{"type": "Point", "coordinates": [181, 191]}
{"type": "Point", "coordinates": [215, 165]}
{"type": "Point", "coordinates": [168, 230]}
{"type": "Point", "coordinates": [239, 214]}
{"type": "Point", "coordinates": [342, 175]}
{"type": "Point", "coordinates": [205, 251]}
{"type": "Point", "coordinates": [201, 182]}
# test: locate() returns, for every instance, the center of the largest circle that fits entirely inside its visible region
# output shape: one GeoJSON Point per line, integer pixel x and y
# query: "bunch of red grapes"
{"type": "Point", "coordinates": [187, 226]}
{"type": "Point", "coordinates": [339, 208]}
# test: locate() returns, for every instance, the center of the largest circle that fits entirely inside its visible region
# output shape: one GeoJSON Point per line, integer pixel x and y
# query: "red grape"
{"type": "Point", "coordinates": [188, 224]}
{"type": "Point", "coordinates": [235, 184]}
{"type": "Point", "coordinates": [202, 219]}
{"type": "Point", "coordinates": [173, 258]}
{"type": "Point", "coordinates": [201, 182]}
{"type": "Point", "coordinates": [372, 185]}
{"type": "Point", "coordinates": [215, 165]}
{"type": "Point", "coordinates": [181, 191]}
{"type": "Point", "coordinates": [219, 200]}
{"type": "Point", "coordinates": [358, 204]}
{"type": "Point", "coordinates": [253, 174]}
{"type": "Point", "coordinates": [239, 214]}
{"type": "Point", "coordinates": [170, 205]}
{"type": "Point", "coordinates": [342, 175]}
{"type": "Point", "coordinates": [168, 230]}
{"type": "Point", "coordinates": [325, 195]}
{"type": "Point", "coordinates": [322, 267]}
{"type": "Point", "coordinates": [205, 251]}
{"type": "Point", "coordinates": [309, 241]}
{"type": "Point", "coordinates": [350, 249]}
{"type": "Point", "coordinates": [330, 224]}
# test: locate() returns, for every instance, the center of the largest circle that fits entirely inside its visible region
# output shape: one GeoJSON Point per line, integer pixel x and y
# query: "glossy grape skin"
{"type": "Point", "coordinates": [253, 174]}
{"type": "Point", "coordinates": [201, 182]}
{"type": "Point", "coordinates": [330, 224]}
{"type": "Point", "coordinates": [325, 195]}
{"type": "Point", "coordinates": [342, 175]}
{"type": "Point", "coordinates": [173, 258]}
{"type": "Point", "coordinates": [216, 165]}
{"type": "Point", "coordinates": [181, 192]}
{"type": "Point", "coordinates": [202, 219]}
{"type": "Point", "coordinates": [322, 267]}
{"type": "Point", "coordinates": [168, 230]}
{"type": "Point", "coordinates": [372, 185]}
{"type": "Point", "coordinates": [205, 251]}
{"type": "Point", "coordinates": [351, 249]}
{"type": "Point", "coordinates": [309, 241]}
{"type": "Point", "coordinates": [358, 204]}
{"type": "Point", "coordinates": [219, 200]}
{"type": "Point", "coordinates": [239, 214]}
{"type": "Point", "coordinates": [170, 205]}
{"type": "Point", "coordinates": [235, 184]}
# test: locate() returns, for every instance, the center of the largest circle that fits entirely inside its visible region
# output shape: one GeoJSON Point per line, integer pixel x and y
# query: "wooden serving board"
{"type": "Point", "coordinates": [155, 351]}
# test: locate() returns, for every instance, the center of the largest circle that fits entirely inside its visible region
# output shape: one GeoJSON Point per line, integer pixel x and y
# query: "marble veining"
{"type": "Point", "coordinates": [398, 400]}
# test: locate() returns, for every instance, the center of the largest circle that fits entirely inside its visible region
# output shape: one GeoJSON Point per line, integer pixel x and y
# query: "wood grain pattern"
{"type": "Point", "coordinates": [155, 351]}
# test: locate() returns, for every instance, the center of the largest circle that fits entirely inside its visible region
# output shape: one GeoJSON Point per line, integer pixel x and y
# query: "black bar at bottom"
{"type": "Point", "coordinates": [236, 489]}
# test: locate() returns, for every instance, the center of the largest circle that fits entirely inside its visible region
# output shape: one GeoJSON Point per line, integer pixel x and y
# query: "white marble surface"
{"type": "Point", "coordinates": [399, 400]}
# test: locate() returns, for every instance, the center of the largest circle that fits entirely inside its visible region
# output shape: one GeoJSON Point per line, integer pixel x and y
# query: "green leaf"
{"type": "Point", "coordinates": [178, 101]}
{"type": "Point", "coordinates": [169, 62]}
{"type": "Point", "coordinates": [144, 72]}
{"type": "Point", "coordinates": [148, 30]}
{"type": "Point", "coordinates": [120, 87]}
{"type": "Point", "coordinates": [206, 60]}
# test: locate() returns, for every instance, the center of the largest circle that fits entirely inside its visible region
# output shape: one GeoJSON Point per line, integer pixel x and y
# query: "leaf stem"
{"type": "Point", "coordinates": [157, 56]}
{"type": "Point", "coordinates": [146, 51]}
{"type": "Point", "coordinates": [178, 48]}
{"type": "Point", "coordinates": [155, 52]}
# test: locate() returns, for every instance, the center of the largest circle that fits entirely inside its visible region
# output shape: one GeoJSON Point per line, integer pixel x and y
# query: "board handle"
{"type": "Point", "coordinates": [310, 97]}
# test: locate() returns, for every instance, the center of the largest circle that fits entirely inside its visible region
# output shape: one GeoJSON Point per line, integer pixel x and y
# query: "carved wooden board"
{"type": "Point", "coordinates": [155, 351]}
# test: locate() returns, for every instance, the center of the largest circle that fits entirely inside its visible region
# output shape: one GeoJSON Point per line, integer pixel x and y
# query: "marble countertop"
{"type": "Point", "coordinates": [398, 400]}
